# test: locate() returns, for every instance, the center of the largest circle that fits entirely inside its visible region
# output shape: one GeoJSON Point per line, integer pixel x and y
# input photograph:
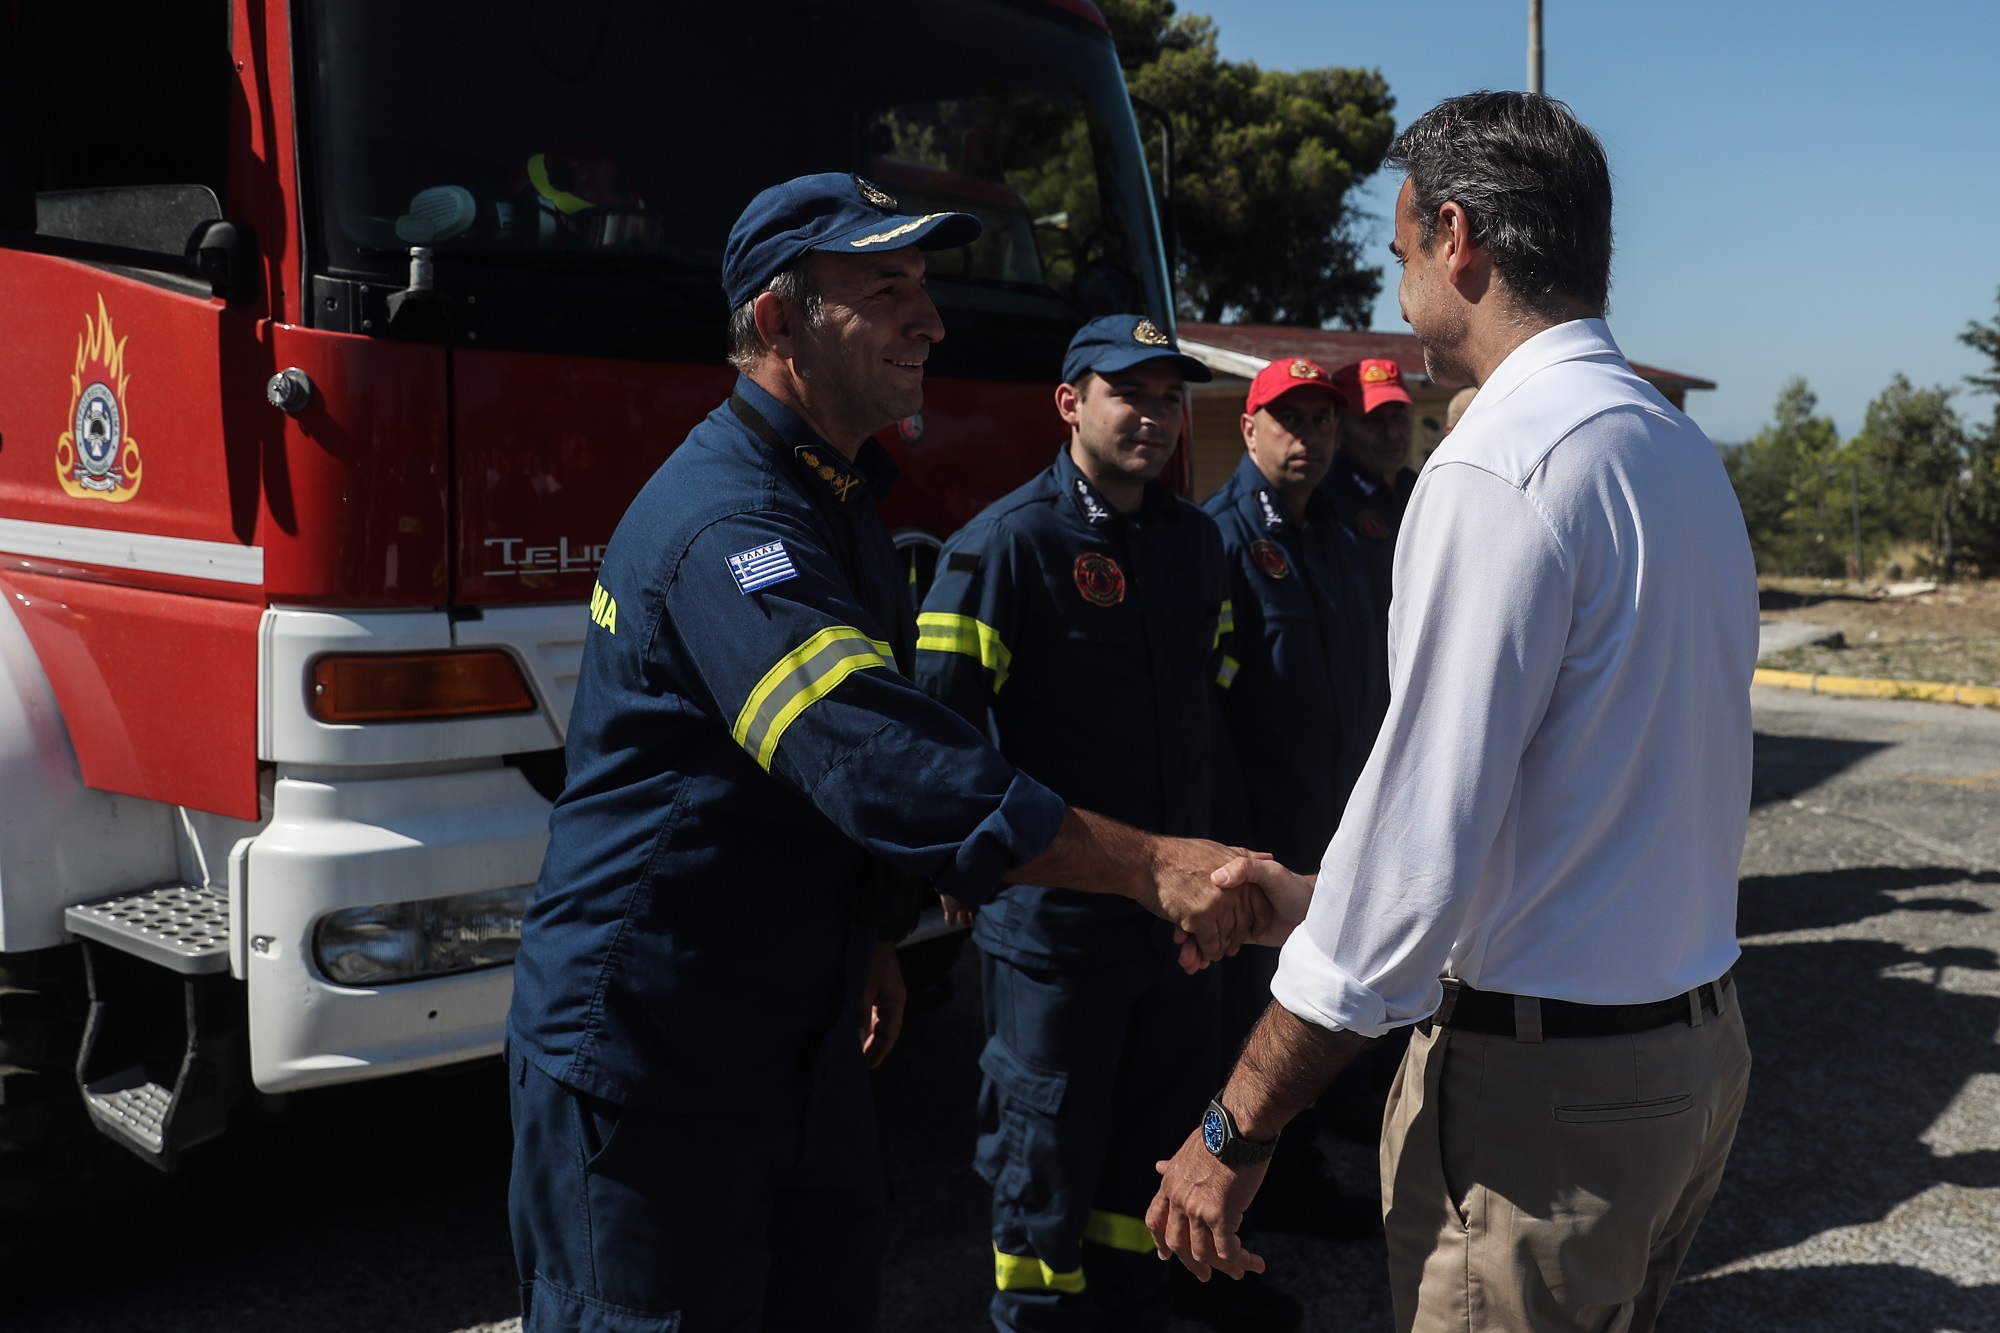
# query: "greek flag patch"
{"type": "Point", "coordinates": [761, 566]}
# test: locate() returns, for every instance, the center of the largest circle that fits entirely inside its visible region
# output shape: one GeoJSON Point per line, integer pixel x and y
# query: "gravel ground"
{"type": "Point", "coordinates": [1951, 635]}
{"type": "Point", "coordinates": [1864, 1192]}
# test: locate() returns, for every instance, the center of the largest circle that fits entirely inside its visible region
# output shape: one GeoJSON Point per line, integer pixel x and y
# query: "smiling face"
{"type": "Point", "coordinates": [1125, 425]}
{"type": "Point", "coordinates": [1292, 439]}
{"type": "Point", "coordinates": [862, 360]}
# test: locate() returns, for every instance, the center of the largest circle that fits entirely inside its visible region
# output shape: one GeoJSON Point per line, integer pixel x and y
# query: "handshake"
{"type": "Point", "coordinates": [1219, 898]}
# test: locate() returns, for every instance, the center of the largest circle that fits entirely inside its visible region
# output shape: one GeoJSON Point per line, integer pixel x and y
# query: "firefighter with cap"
{"type": "Point", "coordinates": [1371, 478]}
{"type": "Point", "coordinates": [1079, 617]}
{"type": "Point", "coordinates": [1298, 681]}
{"type": "Point", "coordinates": [707, 967]}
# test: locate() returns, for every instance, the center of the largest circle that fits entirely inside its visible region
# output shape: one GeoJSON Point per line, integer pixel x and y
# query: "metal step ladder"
{"type": "Point", "coordinates": [163, 1055]}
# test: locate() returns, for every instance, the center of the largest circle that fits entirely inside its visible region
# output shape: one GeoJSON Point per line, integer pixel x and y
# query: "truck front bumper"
{"type": "Point", "coordinates": [352, 838]}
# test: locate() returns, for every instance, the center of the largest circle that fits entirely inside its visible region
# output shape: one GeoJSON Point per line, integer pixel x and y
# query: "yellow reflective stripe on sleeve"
{"type": "Point", "coordinates": [943, 632]}
{"type": "Point", "coordinates": [1119, 1232]}
{"type": "Point", "coordinates": [1226, 622]}
{"type": "Point", "coordinates": [1024, 1272]}
{"type": "Point", "coordinates": [802, 678]}
{"type": "Point", "coordinates": [1227, 675]}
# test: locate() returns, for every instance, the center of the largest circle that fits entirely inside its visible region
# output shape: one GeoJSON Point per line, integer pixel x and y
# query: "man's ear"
{"type": "Point", "coordinates": [1466, 264]}
{"type": "Point", "coordinates": [774, 323]}
{"type": "Point", "coordinates": [1248, 424]}
{"type": "Point", "coordinates": [1068, 404]}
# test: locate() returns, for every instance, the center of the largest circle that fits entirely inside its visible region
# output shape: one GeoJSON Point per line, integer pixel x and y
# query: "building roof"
{"type": "Point", "coordinates": [1244, 349]}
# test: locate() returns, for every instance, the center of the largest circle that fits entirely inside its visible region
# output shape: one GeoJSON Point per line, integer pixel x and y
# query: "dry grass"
{"type": "Point", "coordinates": [1950, 635]}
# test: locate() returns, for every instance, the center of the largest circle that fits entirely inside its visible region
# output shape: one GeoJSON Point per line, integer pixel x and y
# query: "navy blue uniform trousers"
{"type": "Point", "coordinates": [631, 1221]}
{"type": "Point", "coordinates": [1095, 1069]}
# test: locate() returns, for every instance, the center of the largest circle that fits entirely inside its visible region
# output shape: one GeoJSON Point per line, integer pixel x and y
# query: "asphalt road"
{"type": "Point", "coordinates": [1864, 1192]}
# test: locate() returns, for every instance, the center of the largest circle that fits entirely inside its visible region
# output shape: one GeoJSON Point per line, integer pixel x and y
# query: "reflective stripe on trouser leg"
{"type": "Point", "coordinates": [1024, 1272]}
{"type": "Point", "coordinates": [1119, 1232]}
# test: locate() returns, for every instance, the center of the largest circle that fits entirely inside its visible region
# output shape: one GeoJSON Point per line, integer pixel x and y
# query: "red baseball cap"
{"type": "Point", "coordinates": [1282, 376]}
{"type": "Point", "coordinates": [1366, 385]}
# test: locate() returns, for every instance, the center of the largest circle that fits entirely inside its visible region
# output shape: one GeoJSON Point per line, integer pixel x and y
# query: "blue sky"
{"type": "Point", "coordinates": [1802, 188]}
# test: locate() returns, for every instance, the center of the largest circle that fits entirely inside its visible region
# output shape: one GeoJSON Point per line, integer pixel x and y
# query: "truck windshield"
{"type": "Point", "coordinates": [581, 160]}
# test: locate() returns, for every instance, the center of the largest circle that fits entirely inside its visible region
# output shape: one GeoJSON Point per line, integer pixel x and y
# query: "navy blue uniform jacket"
{"type": "Point", "coordinates": [744, 738]}
{"type": "Point", "coordinates": [1087, 639]}
{"type": "Point", "coordinates": [1302, 684]}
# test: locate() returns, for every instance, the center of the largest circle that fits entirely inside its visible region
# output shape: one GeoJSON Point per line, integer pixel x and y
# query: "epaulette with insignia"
{"type": "Point", "coordinates": [1274, 517]}
{"type": "Point", "coordinates": [839, 476]}
{"type": "Point", "coordinates": [1090, 504]}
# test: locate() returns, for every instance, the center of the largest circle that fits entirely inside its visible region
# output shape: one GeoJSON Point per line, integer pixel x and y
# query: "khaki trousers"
{"type": "Point", "coordinates": [1554, 1185]}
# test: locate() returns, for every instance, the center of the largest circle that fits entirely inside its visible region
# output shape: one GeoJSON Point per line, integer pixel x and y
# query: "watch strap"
{"type": "Point", "coordinates": [1221, 1137]}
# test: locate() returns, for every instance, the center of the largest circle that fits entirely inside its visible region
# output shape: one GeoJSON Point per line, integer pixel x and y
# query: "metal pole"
{"type": "Point", "coordinates": [1854, 478]}
{"type": "Point", "coordinates": [1535, 46]}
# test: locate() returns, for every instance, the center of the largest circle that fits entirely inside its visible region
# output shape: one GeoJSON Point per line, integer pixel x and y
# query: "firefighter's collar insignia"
{"type": "Point", "coordinates": [1267, 504]}
{"type": "Point", "coordinates": [875, 194]}
{"type": "Point", "coordinates": [1089, 503]}
{"type": "Point", "coordinates": [830, 468]}
{"type": "Point", "coordinates": [1148, 333]}
{"type": "Point", "coordinates": [97, 458]}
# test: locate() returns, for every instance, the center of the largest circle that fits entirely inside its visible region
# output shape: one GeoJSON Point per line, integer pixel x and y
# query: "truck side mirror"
{"type": "Point", "coordinates": [224, 254]}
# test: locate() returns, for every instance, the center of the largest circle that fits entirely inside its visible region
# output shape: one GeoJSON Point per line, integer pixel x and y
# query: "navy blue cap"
{"type": "Point", "coordinates": [833, 211]}
{"type": "Point", "coordinates": [1118, 342]}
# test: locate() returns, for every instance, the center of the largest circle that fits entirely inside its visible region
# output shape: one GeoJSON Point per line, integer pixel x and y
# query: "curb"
{"type": "Point", "coordinates": [1977, 696]}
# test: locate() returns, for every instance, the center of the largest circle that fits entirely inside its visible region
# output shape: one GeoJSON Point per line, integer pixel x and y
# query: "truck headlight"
{"type": "Point", "coordinates": [430, 937]}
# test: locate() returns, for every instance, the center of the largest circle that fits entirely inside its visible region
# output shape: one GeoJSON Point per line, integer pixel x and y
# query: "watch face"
{"type": "Point", "coordinates": [1212, 1132]}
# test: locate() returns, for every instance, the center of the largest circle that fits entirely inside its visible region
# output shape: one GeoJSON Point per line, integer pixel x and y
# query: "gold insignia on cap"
{"type": "Point", "coordinates": [875, 194]}
{"type": "Point", "coordinates": [894, 232]}
{"type": "Point", "coordinates": [1377, 372]}
{"type": "Point", "coordinates": [1303, 369]}
{"type": "Point", "coordinates": [1147, 332]}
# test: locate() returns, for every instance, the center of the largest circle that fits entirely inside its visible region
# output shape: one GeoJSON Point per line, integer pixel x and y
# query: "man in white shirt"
{"type": "Point", "coordinates": [1538, 866]}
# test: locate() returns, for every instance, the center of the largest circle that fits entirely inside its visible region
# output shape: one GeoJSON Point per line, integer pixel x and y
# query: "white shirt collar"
{"type": "Point", "coordinates": [1576, 340]}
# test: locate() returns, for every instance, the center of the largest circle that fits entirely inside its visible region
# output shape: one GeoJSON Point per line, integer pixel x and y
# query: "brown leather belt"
{"type": "Point", "coordinates": [1493, 1013]}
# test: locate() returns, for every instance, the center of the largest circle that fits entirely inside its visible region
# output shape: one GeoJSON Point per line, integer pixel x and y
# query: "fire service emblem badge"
{"type": "Point", "coordinates": [1270, 559]}
{"type": "Point", "coordinates": [1099, 579]}
{"type": "Point", "coordinates": [97, 458]}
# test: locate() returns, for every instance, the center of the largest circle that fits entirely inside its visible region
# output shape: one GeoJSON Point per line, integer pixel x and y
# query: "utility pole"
{"type": "Point", "coordinates": [1535, 46]}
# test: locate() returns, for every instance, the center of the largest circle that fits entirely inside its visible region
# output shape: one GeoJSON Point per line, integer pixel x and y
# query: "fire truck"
{"type": "Point", "coordinates": [335, 336]}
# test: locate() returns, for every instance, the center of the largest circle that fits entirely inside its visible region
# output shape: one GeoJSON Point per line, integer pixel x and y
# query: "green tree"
{"type": "Point", "coordinates": [1914, 452]}
{"type": "Point", "coordinates": [1263, 165]}
{"type": "Point", "coordinates": [1788, 480]}
{"type": "Point", "coordinates": [1981, 508]}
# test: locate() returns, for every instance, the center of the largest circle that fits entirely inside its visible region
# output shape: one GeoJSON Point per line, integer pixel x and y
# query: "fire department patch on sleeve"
{"type": "Point", "coordinates": [761, 566]}
{"type": "Point", "coordinates": [1271, 559]}
{"type": "Point", "coordinates": [1099, 579]}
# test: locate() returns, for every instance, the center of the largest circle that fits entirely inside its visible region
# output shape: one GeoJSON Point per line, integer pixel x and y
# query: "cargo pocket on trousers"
{"type": "Point", "coordinates": [1017, 1156]}
{"type": "Point", "coordinates": [1612, 1111]}
{"type": "Point", "coordinates": [557, 1309]}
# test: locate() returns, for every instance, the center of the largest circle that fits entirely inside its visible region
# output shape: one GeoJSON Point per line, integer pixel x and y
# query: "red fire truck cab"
{"type": "Point", "coordinates": [335, 336]}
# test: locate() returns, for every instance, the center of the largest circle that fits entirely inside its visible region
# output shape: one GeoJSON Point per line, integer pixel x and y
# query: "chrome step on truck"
{"type": "Point", "coordinates": [156, 1085]}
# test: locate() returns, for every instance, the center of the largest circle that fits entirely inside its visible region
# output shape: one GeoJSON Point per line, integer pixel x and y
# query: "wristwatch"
{"type": "Point", "coordinates": [1220, 1137]}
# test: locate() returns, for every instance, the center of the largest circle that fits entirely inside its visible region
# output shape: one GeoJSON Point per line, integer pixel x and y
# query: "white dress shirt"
{"type": "Point", "coordinates": [1557, 801]}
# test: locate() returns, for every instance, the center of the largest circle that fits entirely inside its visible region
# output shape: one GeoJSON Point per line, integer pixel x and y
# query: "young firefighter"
{"type": "Point", "coordinates": [1079, 617]}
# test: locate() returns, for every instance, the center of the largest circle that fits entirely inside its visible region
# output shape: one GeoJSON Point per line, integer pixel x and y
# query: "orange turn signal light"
{"type": "Point", "coordinates": [415, 687]}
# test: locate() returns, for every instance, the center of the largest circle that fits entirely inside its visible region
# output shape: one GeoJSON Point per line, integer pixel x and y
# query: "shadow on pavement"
{"type": "Point", "coordinates": [1860, 1045]}
{"type": "Point", "coordinates": [1788, 766]}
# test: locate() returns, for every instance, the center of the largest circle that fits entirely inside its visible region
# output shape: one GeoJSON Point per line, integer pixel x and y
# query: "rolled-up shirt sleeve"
{"type": "Point", "coordinates": [1477, 633]}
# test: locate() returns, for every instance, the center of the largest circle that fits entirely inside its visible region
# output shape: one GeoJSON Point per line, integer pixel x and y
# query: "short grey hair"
{"type": "Point", "coordinates": [1534, 184]}
{"type": "Point", "coordinates": [793, 284]}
